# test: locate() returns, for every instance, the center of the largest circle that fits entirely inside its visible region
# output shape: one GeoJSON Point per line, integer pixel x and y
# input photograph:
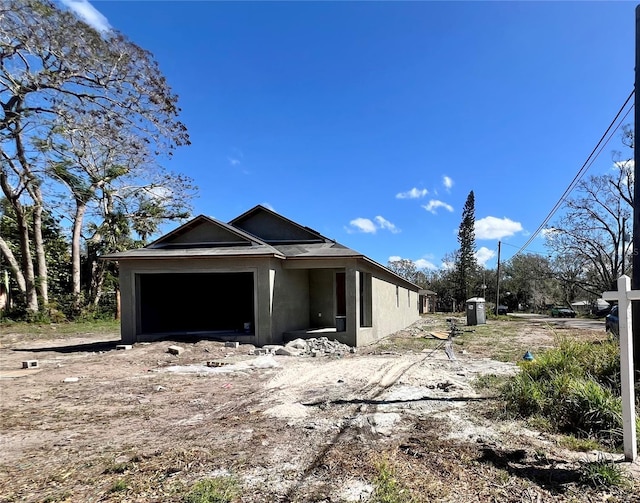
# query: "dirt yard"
{"type": "Point", "coordinates": [95, 423]}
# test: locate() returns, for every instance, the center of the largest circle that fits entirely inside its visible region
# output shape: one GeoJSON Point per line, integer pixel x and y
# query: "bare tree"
{"type": "Point", "coordinates": [590, 240]}
{"type": "Point", "coordinates": [107, 172]}
{"type": "Point", "coordinates": [530, 280]}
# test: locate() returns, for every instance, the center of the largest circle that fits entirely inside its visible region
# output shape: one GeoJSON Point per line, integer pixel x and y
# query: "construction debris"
{"type": "Point", "coordinates": [175, 350]}
{"type": "Point", "coordinates": [320, 346]}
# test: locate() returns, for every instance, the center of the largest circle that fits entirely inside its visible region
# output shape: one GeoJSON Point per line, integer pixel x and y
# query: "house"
{"type": "Point", "coordinates": [260, 279]}
{"type": "Point", "coordinates": [581, 306]}
{"type": "Point", "coordinates": [427, 301]}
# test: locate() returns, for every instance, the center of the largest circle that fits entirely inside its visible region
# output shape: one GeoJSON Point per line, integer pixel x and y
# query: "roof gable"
{"type": "Point", "coordinates": [204, 232]}
{"type": "Point", "coordinates": [273, 228]}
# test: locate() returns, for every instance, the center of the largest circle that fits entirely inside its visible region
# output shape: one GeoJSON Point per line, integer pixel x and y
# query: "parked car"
{"type": "Point", "coordinates": [562, 312]}
{"type": "Point", "coordinates": [611, 321]}
{"type": "Point", "coordinates": [501, 310]}
{"type": "Point", "coordinates": [601, 311]}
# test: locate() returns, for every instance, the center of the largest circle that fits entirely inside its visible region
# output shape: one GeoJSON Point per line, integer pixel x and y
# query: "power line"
{"type": "Point", "coordinates": [585, 166]}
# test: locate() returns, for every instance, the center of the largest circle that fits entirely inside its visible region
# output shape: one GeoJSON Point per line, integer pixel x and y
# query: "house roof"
{"type": "Point", "coordinates": [201, 237]}
{"type": "Point", "coordinates": [259, 232]}
{"type": "Point", "coordinates": [274, 228]}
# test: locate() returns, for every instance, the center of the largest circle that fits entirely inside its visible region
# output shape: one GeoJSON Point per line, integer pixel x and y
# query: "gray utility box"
{"type": "Point", "coordinates": [476, 311]}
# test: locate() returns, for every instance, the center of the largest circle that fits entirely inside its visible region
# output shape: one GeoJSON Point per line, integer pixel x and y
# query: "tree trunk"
{"type": "Point", "coordinates": [26, 178]}
{"type": "Point", "coordinates": [76, 236]}
{"type": "Point", "coordinates": [117, 302]}
{"type": "Point", "coordinates": [14, 265]}
{"type": "Point", "coordinates": [42, 284]}
{"type": "Point", "coordinates": [31, 295]}
{"type": "Point", "coordinates": [97, 280]}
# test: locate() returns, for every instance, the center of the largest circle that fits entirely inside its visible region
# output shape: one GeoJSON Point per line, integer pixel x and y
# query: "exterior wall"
{"type": "Point", "coordinates": [321, 298]}
{"type": "Point", "coordinates": [290, 302]}
{"type": "Point", "coordinates": [390, 312]}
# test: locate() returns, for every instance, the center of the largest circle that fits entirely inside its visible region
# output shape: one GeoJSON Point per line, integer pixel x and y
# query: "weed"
{"type": "Point", "coordinates": [603, 473]}
{"type": "Point", "coordinates": [387, 487]}
{"type": "Point", "coordinates": [575, 387]}
{"type": "Point", "coordinates": [580, 444]}
{"type": "Point", "coordinates": [215, 490]}
{"type": "Point", "coordinates": [118, 468]}
{"type": "Point", "coordinates": [119, 486]}
{"type": "Point", "coordinates": [489, 382]}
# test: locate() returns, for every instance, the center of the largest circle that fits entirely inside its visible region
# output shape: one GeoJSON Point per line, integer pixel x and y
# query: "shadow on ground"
{"type": "Point", "coordinates": [92, 347]}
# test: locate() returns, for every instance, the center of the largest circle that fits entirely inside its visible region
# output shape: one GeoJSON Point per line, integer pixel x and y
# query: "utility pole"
{"type": "Point", "coordinates": [635, 278]}
{"type": "Point", "coordinates": [498, 280]}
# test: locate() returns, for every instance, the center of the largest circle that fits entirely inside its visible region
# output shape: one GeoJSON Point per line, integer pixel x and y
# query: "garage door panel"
{"type": "Point", "coordinates": [211, 302]}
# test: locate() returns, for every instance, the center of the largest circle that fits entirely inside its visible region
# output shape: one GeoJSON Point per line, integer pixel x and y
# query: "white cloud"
{"type": "Point", "coordinates": [369, 226]}
{"type": "Point", "coordinates": [363, 225]}
{"type": "Point", "coordinates": [425, 264]}
{"type": "Point", "coordinates": [447, 182]}
{"type": "Point", "coordinates": [385, 224]}
{"type": "Point", "coordinates": [448, 266]}
{"type": "Point", "coordinates": [414, 193]}
{"type": "Point", "coordinates": [268, 206]}
{"type": "Point", "coordinates": [420, 263]}
{"type": "Point", "coordinates": [88, 13]}
{"type": "Point", "coordinates": [496, 228]}
{"type": "Point", "coordinates": [160, 192]}
{"type": "Point", "coordinates": [484, 254]}
{"type": "Point", "coordinates": [236, 157]}
{"type": "Point", "coordinates": [624, 164]}
{"type": "Point", "coordinates": [433, 205]}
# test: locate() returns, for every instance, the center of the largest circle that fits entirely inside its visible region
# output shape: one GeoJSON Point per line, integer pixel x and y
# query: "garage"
{"type": "Point", "coordinates": [187, 303]}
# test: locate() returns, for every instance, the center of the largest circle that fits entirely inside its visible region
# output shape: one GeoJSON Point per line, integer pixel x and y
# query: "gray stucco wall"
{"type": "Point", "coordinates": [291, 302]}
{"type": "Point", "coordinates": [321, 298]}
{"type": "Point", "coordinates": [286, 299]}
{"type": "Point", "coordinates": [390, 312]}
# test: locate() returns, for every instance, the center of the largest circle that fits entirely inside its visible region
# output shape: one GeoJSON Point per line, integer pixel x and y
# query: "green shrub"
{"type": "Point", "coordinates": [524, 395]}
{"type": "Point", "coordinates": [594, 411]}
{"type": "Point", "coordinates": [575, 387]}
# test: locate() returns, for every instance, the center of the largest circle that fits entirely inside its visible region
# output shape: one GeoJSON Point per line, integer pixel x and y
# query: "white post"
{"type": "Point", "coordinates": [624, 296]}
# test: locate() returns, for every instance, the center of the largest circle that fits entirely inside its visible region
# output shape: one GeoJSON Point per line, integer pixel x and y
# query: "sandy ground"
{"type": "Point", "coordinates": [94, 423]}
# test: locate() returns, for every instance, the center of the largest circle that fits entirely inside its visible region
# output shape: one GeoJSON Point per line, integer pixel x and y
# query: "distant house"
{"type": "Point", "coordinates": [581, 306]}
{"type": "Point", "coordinates": [427, 301]}
{"type": "Point", "coordinates": [259, 279]}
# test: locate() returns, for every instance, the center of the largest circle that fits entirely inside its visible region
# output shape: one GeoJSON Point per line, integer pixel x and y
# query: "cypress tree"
{"type": "Point", "coordinates": [467, 264]}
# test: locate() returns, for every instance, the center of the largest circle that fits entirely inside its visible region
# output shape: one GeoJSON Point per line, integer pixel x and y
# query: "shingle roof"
{"type": "Point", "coordinates": [205, 237]}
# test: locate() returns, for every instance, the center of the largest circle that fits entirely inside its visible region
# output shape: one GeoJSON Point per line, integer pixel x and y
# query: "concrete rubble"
{"type": "Point", "coordinates": [320, 346]}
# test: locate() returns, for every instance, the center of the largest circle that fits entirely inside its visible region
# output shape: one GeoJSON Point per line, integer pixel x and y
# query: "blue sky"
{"type": "Point", "coordinates": [372, 121]}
